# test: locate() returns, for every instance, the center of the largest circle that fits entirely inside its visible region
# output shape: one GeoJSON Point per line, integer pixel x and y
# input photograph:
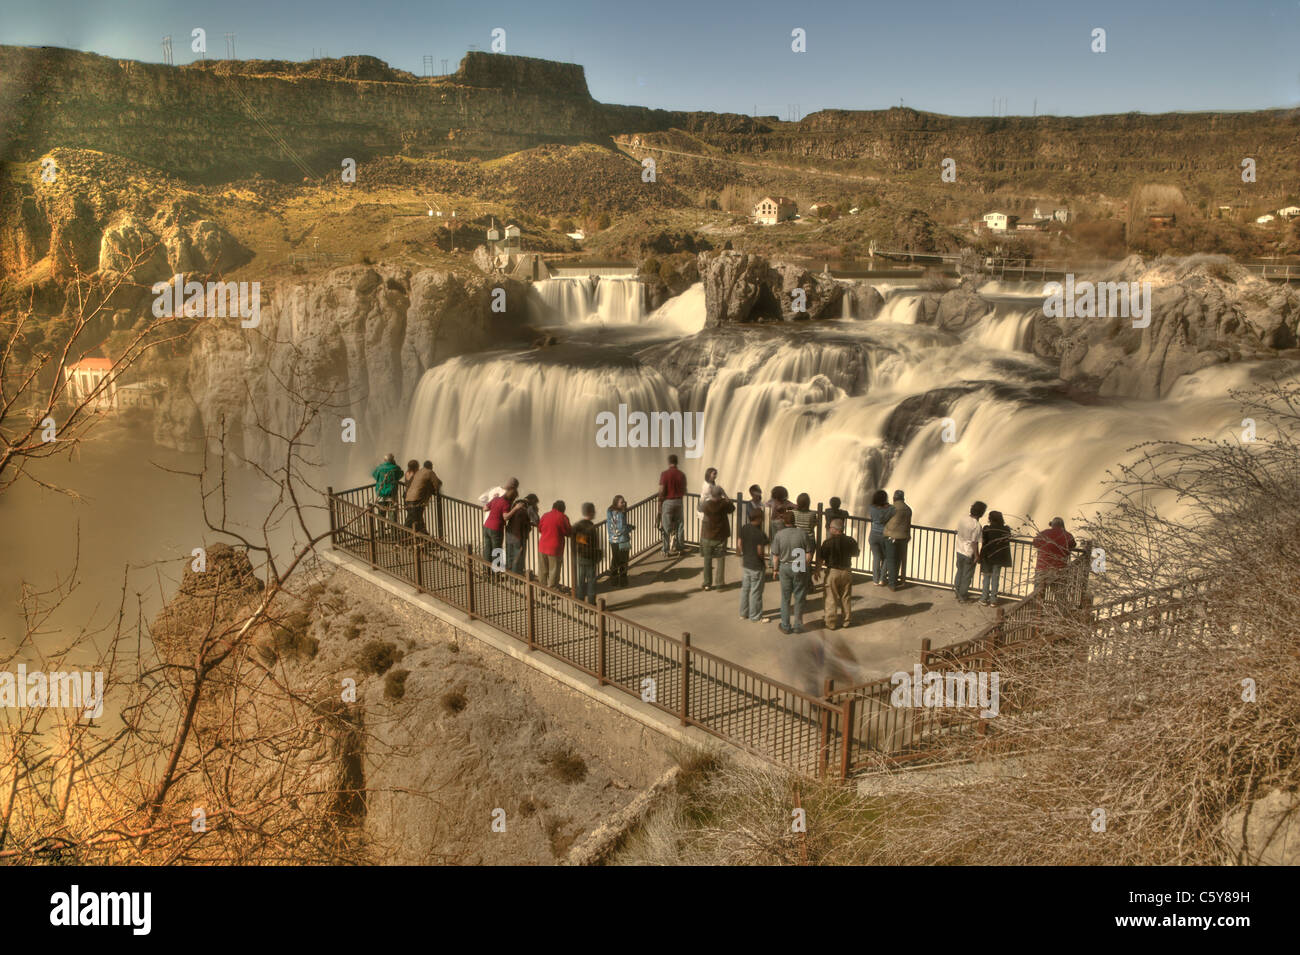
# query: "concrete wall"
{"type": "Point", "coordinates": [630, 737]}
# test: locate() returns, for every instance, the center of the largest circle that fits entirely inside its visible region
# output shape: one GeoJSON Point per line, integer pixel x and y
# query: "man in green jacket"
{"type": "Point", "coordinates": [386, 477]}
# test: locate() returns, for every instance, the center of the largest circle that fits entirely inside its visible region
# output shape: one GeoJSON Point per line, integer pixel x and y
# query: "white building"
{"type": "Point", "coordinates": [1289, 212]}
{"type": "Point", "coordinates": [84, 378]}
{"type": "Point", "coordinates": [773, 209]}
{"type": "Point", "coordinates": [1059, 213]}
{"type": "Point", "coordinates": [1265, 219]}
{"type": "Point", "coordinates": [1000, 222]}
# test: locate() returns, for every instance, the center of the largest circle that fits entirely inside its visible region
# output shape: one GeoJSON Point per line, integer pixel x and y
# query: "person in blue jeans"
{"type": "Point", "coordinates": [753, 551]}
{"type": "Point", "coordinates": [790, 565]}
{"type": "Point", "coordinates": [880, 512]}
{"type": "Point", "coordinates": [587, 551]}
{"type": "Point", "coordinates": [995, 553]}
{"type": "Point", "coordinates": [618, 533]}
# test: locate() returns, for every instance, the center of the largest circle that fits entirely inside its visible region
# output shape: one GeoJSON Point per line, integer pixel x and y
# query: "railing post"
{"type": "Point", "coordinates": [925, 653]}
{"type": "Point", "coordinates": [469, 579]}
{"type": "Point", "coordinates": [530, 624]}
{"type": "Point", "coordinates": [419, 562]}
{"type": "Point", "coordinates": [686, 677]}
{"type": "Point", "coordinates": [818, 536]}
{"type": "Point", "coordinates": [847, 737]}
{"type": "Point", "coordinates": [824, 744]}
{"type": "Point", "coordinates": [329, 496]}
{"type": "Point", "coordinates": [370, 521]}
{"type": "Point", "coordinates": [437, 508]}
{"type": "Point", "coordinates": [600, 640]}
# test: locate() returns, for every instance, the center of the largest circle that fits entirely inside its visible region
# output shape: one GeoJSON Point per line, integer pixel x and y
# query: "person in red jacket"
{"type": "Point", "coordinates": [1053, 545]}
{"type": "Point", "coordinates": [552, 529]}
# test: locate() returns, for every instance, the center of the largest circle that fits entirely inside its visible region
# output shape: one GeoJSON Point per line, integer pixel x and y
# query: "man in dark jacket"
{"type": "Point", "coordinates": [423, 485]}
{"type": "Point", "coordinates": [836, 556]}
{"type": "Point", "coordinates": [898, 531]}
{"type": "Point", "coordinates": [715, 529]}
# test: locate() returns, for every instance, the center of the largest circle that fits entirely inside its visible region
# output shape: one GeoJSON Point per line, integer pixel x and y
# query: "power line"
{"type": "Point", "coordinates": [167, 49]}
{"type": "Point", "coordinates": [230, 46]}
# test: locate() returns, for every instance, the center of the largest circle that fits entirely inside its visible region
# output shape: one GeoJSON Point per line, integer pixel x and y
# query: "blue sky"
{"type": "Point", "coordinates": [949, 57]}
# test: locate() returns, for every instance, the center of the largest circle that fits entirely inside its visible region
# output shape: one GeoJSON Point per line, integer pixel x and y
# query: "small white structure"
{"type": "Point", "coordinates": [1059, 213]}
{"type": "Point", "coordinates": [1265, 219]}
{"type": "Point", "coordinates": [1289, 212]}
{"type": "Point", "coordinates": [577, 236]}
{"type": "Point", "coordinates": [773, 209]}
{"type": "Point", "coordinates": [1000, 222]}
{"type": "Point", "coordinates": [85, 377]}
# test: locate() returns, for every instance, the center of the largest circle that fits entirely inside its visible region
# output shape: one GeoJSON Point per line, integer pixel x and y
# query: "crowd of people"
{"type": "Point", "coordinates": [777, 536]}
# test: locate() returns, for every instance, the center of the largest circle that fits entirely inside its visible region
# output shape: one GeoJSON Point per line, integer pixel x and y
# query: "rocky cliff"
{"type": "Point", "coordinates": [1205, 310]}
{"type": "Point", "coordinates": [354, 342]}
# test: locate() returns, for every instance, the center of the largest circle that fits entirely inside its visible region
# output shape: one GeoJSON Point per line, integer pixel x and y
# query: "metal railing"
{"type": "Point", "coordinates": [930, 558]}
{"type": "Point", "coordinates": [736, 704]}
{"type": "Point", "coordinates": [839, 733]}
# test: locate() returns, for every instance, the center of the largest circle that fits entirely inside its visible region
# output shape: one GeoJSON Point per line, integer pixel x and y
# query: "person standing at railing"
{"type": "Point", "coordinates": [755, 503]}
{"type": "Point", "coordinates": [672, 489]}
{"type": "Point", "coordinates": [386, 477]}
{"type": "Point", "coordinates": [715, 530]}
{"type": "Point", "coordinates": [836, 513]}
{"type": "Point", "coordinates": [753, 551]}
{"type": "Point", "coordinates": [995, 553]}
{"type": "Point", "coordinates": [420, 489]}
{"type": "Point", "coordinates": [706, 492]}
{"type": "Point", "coordinates": [790, 565]}
{"type": "Point", "coordinates": [552, 530]}
{"type": "Point", "coordinates": [1053, 545]}
{"type": "Point", "coordinates": [778, 502]}
{"type": "Point", "coordinates": [492, 519]}
{"type": "Point", "coordinates": [836, 556]}
{"type": "Point", "coordinates": [586, 550]}
{"type": "Point", "coordinates": [618, 532]}
{"type": "Point", "coordinates": [519, 522]}
{"type": "Point", "coordinates": [805, 518]}
{"type": "Point", "coordinates": [880, 512]}
{"type": "Point", "coordinates": [968, 550]}
{"type": "Point", "coordinates": [898, 532]}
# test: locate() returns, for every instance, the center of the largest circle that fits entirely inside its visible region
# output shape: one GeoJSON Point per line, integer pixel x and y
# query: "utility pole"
{"type": "Point", "coordinates": [428, 64]}
{"type": "Point", "coordinates": [230, 46]}
{"type": "Point", "coordinates": [444, 67]}
{"type": "Point", "coordinates": [167, 49]}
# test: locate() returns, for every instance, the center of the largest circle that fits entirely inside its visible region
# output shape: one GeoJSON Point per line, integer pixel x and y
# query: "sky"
{"type": "Point", "coordinates": [981, 57]}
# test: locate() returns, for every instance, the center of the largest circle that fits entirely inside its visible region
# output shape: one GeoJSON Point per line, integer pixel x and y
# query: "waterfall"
{"type": "Point", "coordinates": [834, 409]}
{"type": "Point", "coordinates": [589, 299]}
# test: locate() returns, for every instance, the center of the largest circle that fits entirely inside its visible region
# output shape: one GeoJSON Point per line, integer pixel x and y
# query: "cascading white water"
{"type": "Point", "coordinates": [589, 299]}
{"type": "Point", "coordinates": [815, 408]}
{"type": "Point", "coordinates": [902, 307]}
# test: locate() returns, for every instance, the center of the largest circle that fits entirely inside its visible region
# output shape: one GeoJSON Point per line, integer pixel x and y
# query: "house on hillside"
{"type": "Point", "coordinates": [1265, 219]}
{"type": "Point", "coordinates": [822, 210]}
{"type": "Point", "coordinates": [1161, 220]}
{"type": "Point", "coordinates": [1000, 222]}
{"type": "Point", "coordinates": [1033, 225]}
{"type": "Point", "coordinates": [1052, 213]}
{"type": "Point", "coordinates": [773, 209]}
{"type": "Point", "coordinates": [1289, 212]}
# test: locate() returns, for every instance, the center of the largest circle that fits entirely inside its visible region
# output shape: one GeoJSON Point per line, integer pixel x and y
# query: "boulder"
{"type": "Point", "coordinates": [733, 284]}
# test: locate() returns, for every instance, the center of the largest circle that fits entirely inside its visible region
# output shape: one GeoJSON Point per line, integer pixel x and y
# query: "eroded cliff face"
{"type": "Point", "coordinates": [353, 342]}
{"type": "Point", "coordinates": [1205, 310]}
{"type": "Point", "coordinates": [198, 121]}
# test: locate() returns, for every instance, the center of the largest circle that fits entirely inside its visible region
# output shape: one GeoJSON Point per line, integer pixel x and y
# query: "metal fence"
{"type": "Point", "coordinates": [739, 705]}
{"type": "Point", "coordinates": [747, 709]}
{"type": "Point", "coordinates": [930, 558]}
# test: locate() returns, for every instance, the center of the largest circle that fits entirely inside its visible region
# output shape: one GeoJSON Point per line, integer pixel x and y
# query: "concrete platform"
{"type": "Point", "coordinates": [884, 635]}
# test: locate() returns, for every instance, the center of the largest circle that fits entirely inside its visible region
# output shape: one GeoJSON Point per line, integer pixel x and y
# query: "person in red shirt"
{"type": "Point", "coordinates": [552, 529]}
{"type": "Point", "coordinates": [1053, 545]}
{"type": "Point", "coordinates": [672, 488]}
{"type": "Point", "coordinates": [494, 524]}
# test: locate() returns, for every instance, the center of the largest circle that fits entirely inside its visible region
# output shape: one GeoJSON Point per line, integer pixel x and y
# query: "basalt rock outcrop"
{"type": "Point", "coordinates": [1204, 311]}
{"type": "Point", "coordinates": [742, 287]}
{"type": "Point", "coordinates": [355, 341]}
